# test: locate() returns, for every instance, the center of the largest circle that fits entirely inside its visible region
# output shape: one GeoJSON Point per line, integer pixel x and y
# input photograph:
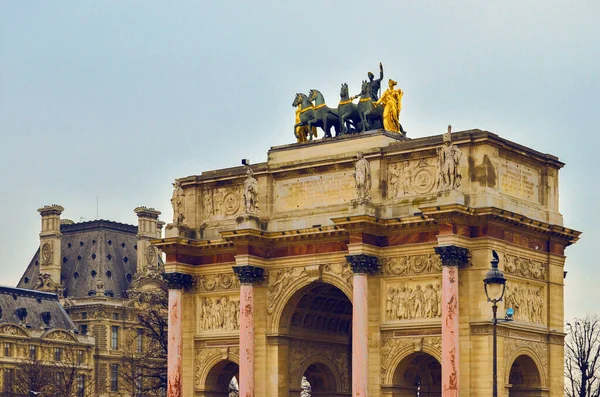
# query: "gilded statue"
{"type": "Point", "coordinates": [250, 193]}
{"type": "Point", "coordinates": [449, 163]}
{"type": "Point", "coordinates": [178, 203]}
{"type": "Point", "coordinates": [362, 177]}
{"type": "Point", "coordinates": [375, 84]}
{"type": "Point", "coordinates": [303, 133]}
{"type": "Point", "coordinates": [392, 104]}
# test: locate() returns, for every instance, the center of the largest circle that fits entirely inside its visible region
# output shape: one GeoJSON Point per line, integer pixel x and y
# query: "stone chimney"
{"type": "Point", "coordinates": [148, 229]}
{"type": "Point", "coordinates": [50, 260]}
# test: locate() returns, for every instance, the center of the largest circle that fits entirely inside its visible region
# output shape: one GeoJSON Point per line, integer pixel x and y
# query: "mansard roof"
{"type": "Point", "coordinates": [92, 251]}
{"type": "Point", "coordinates": [33, 309]}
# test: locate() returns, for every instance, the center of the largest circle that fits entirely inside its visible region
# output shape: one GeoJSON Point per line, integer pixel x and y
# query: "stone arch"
{"type": "Point", "coordinates": [525, 376]}
{"type": "Point", "coordinates": [403, 353]}
{"type": "Point", "coordinates": [207, 360]}
{"type": "Point", "coordinates": [295, 290]}
{"type": "Point", "coordinates": [329, 383]}
{"type": "Point", "coordinates": [414, 371]}
{"type": "Point", "coordinates": [531, 355]}
{"type": "Point", "coordinates": [216, 376]}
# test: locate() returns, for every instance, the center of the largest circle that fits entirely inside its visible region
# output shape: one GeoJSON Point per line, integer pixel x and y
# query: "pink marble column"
{"type": "Point", "coordinates": [176, 282]}
{"type": "Point", "coordinates": [248, 275]}
{"type": "Point", "coordinates": [452, 257]}
{"type": "Point", "coordinates": [362, 265]}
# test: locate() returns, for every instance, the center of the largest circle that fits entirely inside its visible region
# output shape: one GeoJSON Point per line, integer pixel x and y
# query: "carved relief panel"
{"type": "Point", "coordinates": [218, 314]}
{"type": "Point", "coordinates": [217, 282]}
{"type": "Point", "coordinates": [413, 300]}
{"type": "Point", "coordinates": [526, 300]}
{"type": "Point", "coordinates": [412, 265]}
{"type": "Point", "coordinates": [525, 267]}
{"type": "Point", "coordinates": [412, 178]}
{"type": "Point", "coordinates": [221, 203]}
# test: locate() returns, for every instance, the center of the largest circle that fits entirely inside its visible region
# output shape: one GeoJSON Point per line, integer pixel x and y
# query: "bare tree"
{"type": "Point", "coordinates": [582, 354]}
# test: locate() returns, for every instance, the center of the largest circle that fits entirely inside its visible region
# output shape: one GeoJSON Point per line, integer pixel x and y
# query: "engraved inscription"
{"type": "Point", "coordinates": [519, 180]}
{"type": "Point", "coordinates": [314, 191]}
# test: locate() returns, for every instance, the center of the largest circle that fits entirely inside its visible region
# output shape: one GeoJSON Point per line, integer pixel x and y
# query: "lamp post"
{"type": "Point", "coordinates": [494, 284]}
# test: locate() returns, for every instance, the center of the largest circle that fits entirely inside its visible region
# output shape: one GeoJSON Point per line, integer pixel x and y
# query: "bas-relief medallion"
{"type": "Point", "coordinates": [519, 180]}
{"type": "Point", "coordinates": [412, 178]}
{"type": "Point", "coordinates": [527, 302]}
{"type": "Point", "coordinates": [221, 203]}
{"type": "Point", "coordinates": [314, 191]}
{"type": "Point", "coordinates": [413, 301]}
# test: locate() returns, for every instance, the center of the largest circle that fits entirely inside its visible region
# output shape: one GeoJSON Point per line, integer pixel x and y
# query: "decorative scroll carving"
{"type": "Point", "coordinates": [403, 302]}
{"type": "Point", "coordinates": [218, 282]}
{"type": "Point", "coordinates": [202, 357]}
{"type": "Point", "coordinates": [339, 269]}
{"type": "Point", "coordinates": [11, 330]}
{"type": "Point", "coordinates": [524, 267]}
{"type": "Point", "coordinates": [363, 264]}
{"type": "Point", "coordinates": [218, 314]}
{"type": "Point", "coordinates": [279, 281]}
{"type": "Point", "coordinates": [303, 352]}
{"type": "Point", "coordinates": [540, 349]}
{"type": "Point", "coordinates": [389, 349]}
{"type": "Point", "coordinates": [527, 301]}
{"type": "Point", "coordinates": [412, 265]}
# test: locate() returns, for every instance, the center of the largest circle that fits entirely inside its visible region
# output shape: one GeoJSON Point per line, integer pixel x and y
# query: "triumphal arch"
{"type": "Point", "coordinates": [356, 263]}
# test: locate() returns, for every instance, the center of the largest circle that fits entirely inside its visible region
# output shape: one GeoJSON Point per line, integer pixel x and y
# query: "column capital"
{"type": "Point", "coordinates": [363, 263]}
{"type": "Point", "coordinates": [249, 274]}
{"type": "Point", "coordinates": [452, 255]}
{"type": "Point", "coordinates": [178, 280]}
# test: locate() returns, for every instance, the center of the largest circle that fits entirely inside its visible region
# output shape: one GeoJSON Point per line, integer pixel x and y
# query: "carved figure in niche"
{"type": "Point", "coordinates": [218, 314]}
{"type": "Point", "coordinates": [406, 178]}
{"type": "Point", "coordinates": [250, 193]}
{"type": "Point", "coordinates": [449, 163]}
{"type": "Point", "coordinates": [393, 180]}
{"type": "Point", "coordinates": [362, 177]}
{"type": "Point", "coordinates": [178, 203]}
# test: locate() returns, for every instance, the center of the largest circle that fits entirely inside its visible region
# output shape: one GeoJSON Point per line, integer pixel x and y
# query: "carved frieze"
{"type": "Point", "coordinates": [527, 302]}
{"type": "Point", "coordinates": [218, 314]}
{"type": "Point", "coordinates": [222, 203]}
{"type": "Point", "coordinates": [524, 267]}
{"type": "Point", "coordinates": [410, 265]}
{"type": "Point", "coordinates": [218, 282]}
{"type": "Point", "coordinates": [303, 352]}
{"type": "Point", "coordinates": [410, 301]}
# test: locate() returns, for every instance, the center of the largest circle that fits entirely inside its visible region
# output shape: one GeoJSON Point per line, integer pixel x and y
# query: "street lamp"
{"type": "Point", "coordinates": [494, 284]}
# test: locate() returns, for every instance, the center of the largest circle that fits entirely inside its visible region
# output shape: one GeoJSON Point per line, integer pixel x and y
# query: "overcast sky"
{"type": "Point", "coordinates": [116, 99]}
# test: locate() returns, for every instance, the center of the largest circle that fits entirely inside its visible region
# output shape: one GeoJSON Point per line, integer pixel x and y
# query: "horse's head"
{"type": "Point", "coordinates": [312, 95]}
{"type": "Point", "coordinates": [344, 90]}
{"type": "Point", "coordinates": [364, 88]}
{"type": "Point", "coordinates": [297, 100]}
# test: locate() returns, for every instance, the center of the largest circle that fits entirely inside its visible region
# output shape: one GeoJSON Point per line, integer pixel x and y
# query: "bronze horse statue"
{"type": "Point", "coordinates": [348, 112]}
{"type": "Point", "coordinates": [323, 116]}
{"type": "Point", "coordinates": [306, 113]}
{"type": "Point", "coordinates": [371, 116]}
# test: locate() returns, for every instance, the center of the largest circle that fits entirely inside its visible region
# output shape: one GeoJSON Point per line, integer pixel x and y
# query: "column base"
{"type": "Point", "coordinates": [248, 221]}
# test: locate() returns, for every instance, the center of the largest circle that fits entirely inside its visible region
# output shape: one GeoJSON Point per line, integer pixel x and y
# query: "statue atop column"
{"type": "Point", "coordinates": [250, 193]}
{"type": "Point", "coordinates": [449, 163]}
{"type": "Point", "coordinates": [362, 178]}
{"type": "Point", "coordinates": [375, 84]}
{"type": "Point", "coordinates": [178, 203]}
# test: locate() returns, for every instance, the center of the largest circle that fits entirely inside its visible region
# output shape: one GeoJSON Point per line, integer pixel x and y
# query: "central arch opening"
{"type": "Point", "coordinates": [318, 323]}
{"type": "Point", "coordinates": [222, 380]}
{"type": "Point", "coordinates": [524, 378]}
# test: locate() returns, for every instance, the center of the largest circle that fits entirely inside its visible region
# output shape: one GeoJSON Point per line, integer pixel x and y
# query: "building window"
{"type": "Point", "coordinates": [84, 315]}
{"type": "Point", "coordinates": [140, 340]}
{"type": "Point", "coordinates": [114, 340]}
{"type": "Point", "coordinates": [57, 354]}
{"type": "Point", "coordinates": [8, 379]}
{"type": "Point", "coordinates": [79, 357]}
{"type": "Point", "coordinates": [32, 352]}
{"type": "Point", "coordinates": [83, 329]}
{"type": "Point", "coordinates": [8, 349]}
{"type": "Point", "coordinates": [114, 377]}
{"type": "Point", "coordinates": [81, 386]}
{"type": "Point", "coordinates": [116, 316]}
